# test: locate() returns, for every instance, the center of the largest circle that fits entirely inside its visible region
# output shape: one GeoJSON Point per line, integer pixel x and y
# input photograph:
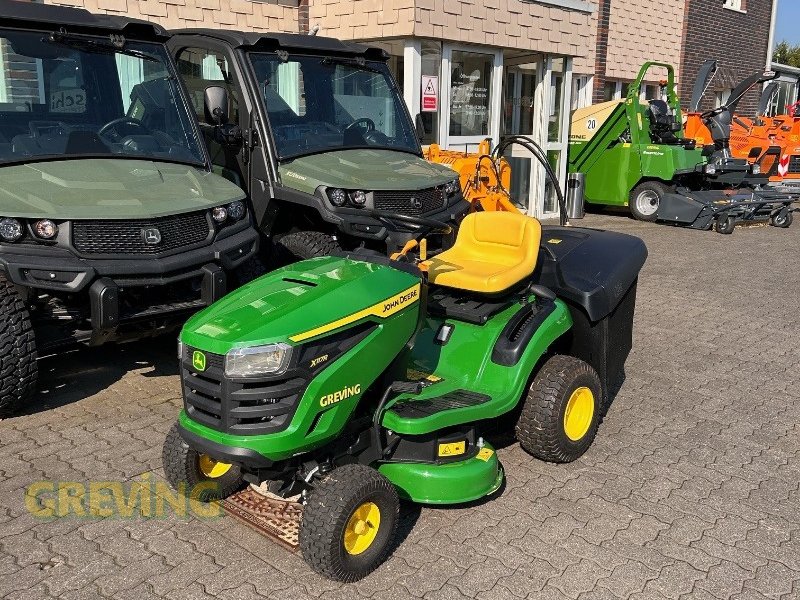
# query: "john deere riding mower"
{"type": "Point", "coordinates": [360, 379]}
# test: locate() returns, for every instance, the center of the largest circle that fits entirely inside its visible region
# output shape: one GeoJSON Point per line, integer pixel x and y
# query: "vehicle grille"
{"type": "Point", "coordinates": [794, 164]}
{"type": "Point", "coordinates": [255, 407]}
{"type": "Point", "coordinates": [127, 236]}
{"type": "Point", "coordinates": [405, 202]}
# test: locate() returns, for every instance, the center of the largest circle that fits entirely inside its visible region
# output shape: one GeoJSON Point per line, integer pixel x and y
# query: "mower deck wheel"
{"type": "Point", "coordinates": [349, 523]}
{"type": "Point", "coordinates": [196, 474]}
{"type": "Point", "coordinates": [781, 219]}
{"type": "Point", "coordinates": [645, 199]}
{"type": "Point", "coordinates": [725, 224]}
{"type": "Point", "coordinates": [561, 413]}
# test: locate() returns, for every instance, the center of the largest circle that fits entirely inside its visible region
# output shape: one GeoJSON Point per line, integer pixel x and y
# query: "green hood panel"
{"type": "Point", "coordinates": [107, 188]}
{"type": "Point", "coordinates": [299, 302]}
{"type": "Point", "coordinates": [363, 169]}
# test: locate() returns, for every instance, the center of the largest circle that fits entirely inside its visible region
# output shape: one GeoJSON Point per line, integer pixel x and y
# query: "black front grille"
{"type": "Point", "coordinates": [254, 407]}
{"type": "Point", "coordinates": [128, 236]}
{"type": "Point", "coordinates": [407, 202]}
{"type": "Point", "coordinates": [794, 164]}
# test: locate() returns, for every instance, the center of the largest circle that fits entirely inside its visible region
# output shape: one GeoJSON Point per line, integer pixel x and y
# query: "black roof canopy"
{"type": "Point", "coordinates": [290, 42]}
{"type": "Point", "coordinates": [30, 15]}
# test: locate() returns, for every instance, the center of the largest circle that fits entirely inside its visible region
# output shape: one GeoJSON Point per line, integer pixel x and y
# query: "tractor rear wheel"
{"type": "Point", "coordinates": [18, 366]}
{"type": "Point", "coordinates": [349, 523]}
{"type": "Point", "coordinates": [195, 474]}
{"type": "Point", "coordinates": [561, 413]}
{"type": "Point", "coordinates": [645, 199]}
{"type": "Point", "coordinates": [300, 245]}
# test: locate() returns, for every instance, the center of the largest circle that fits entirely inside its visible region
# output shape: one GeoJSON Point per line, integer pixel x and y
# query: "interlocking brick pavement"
{"type": "Point", "coordinates": [691, 490]}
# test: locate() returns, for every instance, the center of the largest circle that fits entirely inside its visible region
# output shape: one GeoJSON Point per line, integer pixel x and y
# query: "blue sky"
{"type": "Point", "coordinates": [788, 18]}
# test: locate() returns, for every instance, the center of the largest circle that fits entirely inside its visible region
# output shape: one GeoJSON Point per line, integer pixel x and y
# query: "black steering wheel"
{"type": "Point", "coordinates": [111, 128]}
{"type": "Point", "coordinates": [419, 226]}
{"type": "Point", "coordinates": [365, 120]}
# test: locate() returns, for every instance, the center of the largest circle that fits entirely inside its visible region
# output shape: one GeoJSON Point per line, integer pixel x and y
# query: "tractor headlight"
{"type": "Point", "coordinates": [359, 198]}
{"type": "Point", "coordinates": [45, 229]}
{"type": "Point", "coordinates": [337, 197]}
{"type": "Point", "coordinates": [451, 187]}
{"type": "Point", "coordinates": [756, 170]}
{"type": "Point", "coordinates": [10, 230]}
{"type": "Point", "coordinates": [236, 210]}
{"type": "Point", "coordinates": [258, 360]}
{"type": "Point", "coordinates": [219, 214]}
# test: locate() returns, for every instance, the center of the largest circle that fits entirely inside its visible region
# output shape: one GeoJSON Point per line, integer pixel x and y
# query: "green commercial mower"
{"type": "Point", "coordinates": [359, 380]}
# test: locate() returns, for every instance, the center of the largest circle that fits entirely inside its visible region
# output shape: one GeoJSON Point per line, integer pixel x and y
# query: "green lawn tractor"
{"type": "Point", "coordinates": [633, 154]}
{"type": "Point", "coordinates": [358, 380]}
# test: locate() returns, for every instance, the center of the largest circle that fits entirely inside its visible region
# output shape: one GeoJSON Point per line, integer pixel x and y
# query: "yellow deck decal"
{"type": "Point", "coordinates": [382, 309]}
{"type": "Point", "coordinates": [554, 241]}
{"type": "Point", "coordinates": [452, 448]}
{"type": "Point", "coordinates": [485, 454]}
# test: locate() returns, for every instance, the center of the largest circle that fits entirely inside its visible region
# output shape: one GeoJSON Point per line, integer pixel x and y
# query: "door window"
{"type": "Point", "coordinates": [201, 68]}
{"type": "Point", "coordinates": [470, 84]}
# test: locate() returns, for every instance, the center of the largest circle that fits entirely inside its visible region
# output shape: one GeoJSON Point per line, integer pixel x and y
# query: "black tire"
{"type": "Point", "coordinates": [781, 220]}
{"type": "Point", "coordinates": [249, 270]}
{"type": "Point", "coordinates": [542, 427]}
{"type": "Point", "coordinates": [18, 365]}
{"type": "Point", "coordinates": [326, 515]}
{"type": "Point", "coordinates": [725, 224]}
{"type": "Point", "coordinates": [645, 199]}
{"type": "Point", "coordinates": [183, 471]}
{"type": "Point", "coordinates": [300, 245]}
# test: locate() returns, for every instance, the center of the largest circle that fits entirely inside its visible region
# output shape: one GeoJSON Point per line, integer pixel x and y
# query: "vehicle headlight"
{"type": "Point", "coordinates": [451, 187]}
{"type": "Point", "coordinates": [10, 229]}
{"type": "Point", "coordinates": [756, 170]}
{"type": "Point", "coordinates": [258, 360]}
{"type": "Point", "coordinates": [219, 214]}
{"type": "Point", "coordinates": [236, 210]}
{"type": "Point", "coordinates": [45, 229]}
{"type": "Point", "coordinates": [710, 169]}
{"type": "Point", "coordinates": [359, 198]}
{"type": "Point", "coordinates": [337, 197]}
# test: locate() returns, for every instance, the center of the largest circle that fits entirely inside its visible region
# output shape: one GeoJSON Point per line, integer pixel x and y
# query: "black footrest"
{"type": "Point", "coordinates": [418, 409]}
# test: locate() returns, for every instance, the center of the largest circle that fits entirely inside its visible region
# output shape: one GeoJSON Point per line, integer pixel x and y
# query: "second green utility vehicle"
{"type": "Point", "coordinates": [112, 225]}
{"type": "Point", "coordinates": [317, 132]}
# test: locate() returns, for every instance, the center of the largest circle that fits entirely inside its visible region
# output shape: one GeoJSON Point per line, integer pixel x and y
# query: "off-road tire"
{"type": "Point", "coordinates": [725, 225]}
{"type": "Point", "coordinates": [300, 245]}
{"type": "Point", "coordinates": [249, 270]}
{"type": "Point", "coordinates": [540, 427]}
{"type": "Point", "coordinates": [181, 466]}
{"type": "Point", "coordinates": [18, 366]}
{"type": "Point", "coordinates": [783, 222]}
{"type": "Point", "coordinates": [325, 517]}
{"type": "Point", "coordinates": [654, 187]}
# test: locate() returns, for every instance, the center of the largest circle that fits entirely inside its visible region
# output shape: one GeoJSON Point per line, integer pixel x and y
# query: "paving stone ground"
{"type": "Point", "coordinates": [690, 490]}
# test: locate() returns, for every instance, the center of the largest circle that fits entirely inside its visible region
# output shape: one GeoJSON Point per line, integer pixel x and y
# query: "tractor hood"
{"type": "Point", "coordinates": [363, 169]}
{"type": "Point", "coordinates": [109, 189]}
{"type": "Point", "coordinates": [300, 302]}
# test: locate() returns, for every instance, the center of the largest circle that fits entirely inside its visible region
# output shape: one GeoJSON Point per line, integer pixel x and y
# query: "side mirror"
{"type": "Point", "coordinates": [216, 105]}
{"type": "Point", "coordinates": [420, 127]}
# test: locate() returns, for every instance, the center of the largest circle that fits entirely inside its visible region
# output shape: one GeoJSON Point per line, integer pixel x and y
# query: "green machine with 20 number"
{"type": "Point", "coordinates": [359, 380]}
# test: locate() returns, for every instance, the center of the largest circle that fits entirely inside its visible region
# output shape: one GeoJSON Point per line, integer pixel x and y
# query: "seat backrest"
{"type": "Point", "coordinates": [505, 237]}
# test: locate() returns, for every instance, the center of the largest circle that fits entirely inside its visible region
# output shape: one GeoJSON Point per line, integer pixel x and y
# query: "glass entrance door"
{"type": "Point", "coordinates": [519, 111]}
{"type": "Point", "coordinates": [472, 79]}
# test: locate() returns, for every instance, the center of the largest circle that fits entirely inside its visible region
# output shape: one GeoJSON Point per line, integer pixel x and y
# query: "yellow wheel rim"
{"type": "Point", "coordinates": [361, 528]}
{"type": "Point", "coordinates": [212, 468]}
{"type": "Point", "coordinates": [579, 413]}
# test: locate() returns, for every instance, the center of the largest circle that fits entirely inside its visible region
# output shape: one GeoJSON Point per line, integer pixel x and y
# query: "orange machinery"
{"type": "Point", "coordinates": [485, 181]}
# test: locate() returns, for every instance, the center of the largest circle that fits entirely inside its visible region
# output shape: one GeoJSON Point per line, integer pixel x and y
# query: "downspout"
{"type": "Point", "coordinates": [771, 35]}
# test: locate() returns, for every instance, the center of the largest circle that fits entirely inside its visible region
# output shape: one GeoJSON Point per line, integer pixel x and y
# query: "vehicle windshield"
{"type": "Point", "coordinates": [318, 104]}
{"type": "Point", "coordinates": [65, 95]}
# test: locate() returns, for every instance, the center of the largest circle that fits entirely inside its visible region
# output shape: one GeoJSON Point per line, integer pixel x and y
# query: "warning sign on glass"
{"type": "Point", "coordinates": [430, 93]}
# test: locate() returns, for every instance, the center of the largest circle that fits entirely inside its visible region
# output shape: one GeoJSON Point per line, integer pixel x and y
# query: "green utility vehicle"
{"type": "Point", "coordinates": [112, 225]}
{"type": "Point", "coordinates": [317, 132]}
{"type": "Point", "coordinates": [632, 154]}
{"type": "Point", "coordinates": [358, 379]}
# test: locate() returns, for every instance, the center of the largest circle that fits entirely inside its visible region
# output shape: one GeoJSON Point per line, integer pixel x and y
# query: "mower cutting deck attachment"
{"type": "Point", "coordinates": [358, 380]}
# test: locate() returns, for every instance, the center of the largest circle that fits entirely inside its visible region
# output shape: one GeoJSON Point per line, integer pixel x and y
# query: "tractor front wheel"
{"type": "Point", "coordinates": [349, 523]}
{"type": "Point", "coordinates": [195, 474]}
{"type": "Point", "coordinates": [645, 199]}
{"type": "Point", "coordinates": [561, 413]}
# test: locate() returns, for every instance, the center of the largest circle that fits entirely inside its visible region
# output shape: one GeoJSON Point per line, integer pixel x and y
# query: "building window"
{"type": "Point", "coordinates": [735, 5]}
{"type": "Point", "coordinates": [470, 83]}
{"type": "Point", "coordinates": [722, 96]}
{"type": "Point", "coordinates": [615, 90]}
{"type": "Point", "coordinates": [431, 65]}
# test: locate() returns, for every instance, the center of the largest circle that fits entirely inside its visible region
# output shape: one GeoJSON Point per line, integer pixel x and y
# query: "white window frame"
{"type": "Point", "coordinates": [735, 5]}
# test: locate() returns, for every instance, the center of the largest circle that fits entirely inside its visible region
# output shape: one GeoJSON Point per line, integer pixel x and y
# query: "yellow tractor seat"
{"type": "Point", "coordinates": [493, 252]}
